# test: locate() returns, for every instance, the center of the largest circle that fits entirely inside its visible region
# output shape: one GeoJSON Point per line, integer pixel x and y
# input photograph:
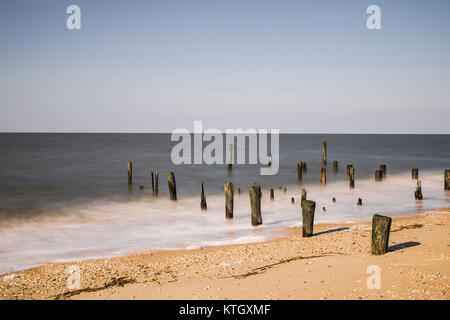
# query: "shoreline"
{"type": "Point", "coordinates": [177, 274]}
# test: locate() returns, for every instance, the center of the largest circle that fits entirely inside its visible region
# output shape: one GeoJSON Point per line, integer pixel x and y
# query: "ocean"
{"type": "Point", "coordinates": [65, 197]}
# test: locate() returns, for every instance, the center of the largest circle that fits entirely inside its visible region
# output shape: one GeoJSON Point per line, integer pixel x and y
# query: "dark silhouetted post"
{"type": "Point", "coordinates": [272, 197]}
{"type": "Point", "coordinates": [378, 175]}
{"type": "Point", "coordinates": [299, 170]}
{"type": "Point", "coordinates": [229, 199]}
{"type": "Point", "coordinates": [292, 200]}
{"type": "Point", "coordinates": [447, 179]}
{"type": "Point", "coordinates": [383, 169]}
{"type": "Point", "coordinates": [308, 208]}
{"type": "Point", "coordinates": [172, 186]}
{"type": "Point", "coordinates": [335, 166]}
{"type": "Point", "coordinates": [352, 177]}
{"type": "Point", "coordinates": [153, 184]}
{"type": "Point", "coordinates": [415, 173]}
{"type": "Point", "coordinates": [418, 194]}
{"type": "Point", "coordinates": [203, 204]}
{"type": "Point", "coordinates": [130, 172]}
{"type": "Point", "coordinates": [255, 203]}
{"type": "Point", "coordinates": [324, 151]}
{"type": "Point", "coordinates": [381, 226]}
{"type": "Point", "coordinates": [156, 182]}
{"type": "Point", "coordinates": [359, 202]}
{"type": "Point", "coordinates": [303, 196]}
{"type": "Point", "coordinates": [348, 170]}
{"type": "Point", "coordinates": [323, 175]}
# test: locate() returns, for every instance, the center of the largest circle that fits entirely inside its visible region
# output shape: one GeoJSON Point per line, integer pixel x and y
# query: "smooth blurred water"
{"type": "Point", "coordinates": [65, 196]}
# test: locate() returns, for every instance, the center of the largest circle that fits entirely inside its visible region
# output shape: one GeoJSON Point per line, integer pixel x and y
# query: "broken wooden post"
{"type": "Point", "coordinates": [381, 226]}
{"type": "Point", "coordinates": [230, 156]}
{"type": "Point", "coordinates": [308, 208]}
{"type": "Point", "coordinates": [255, 203]}
{"type": "Point", "coordinates": [415, 173]}
{"type": "Point", "coordinates": [153, 183]}
{"type": "Point", "coordinates": [418, 193]}
{"type": "Point", "coordinates": [359, 203]}
{"type": "Point", "coordinates": [352, 177]}
{"type": "Point", "coordinates": [272, 197]}
{"type": "Point", "coordinates": [447, 179]}
{"type": "Point", "coordinates": [335, 166]}
{"type": "Point", "coordinates": [156, 182]}
{"type": "Point", "coordinates": [229, 199]}
{"type": "Point", "coordinates": [323, 175]}
{"type": "Point", "coordinates": [378, 175]}
{"type": "Point", "coordinates": [324, 151]}
{"type": "Point", "coordinates": [383, 169]}
{"type": "Point", "coordinates": [130, 172]}
{"type": "Point", "coordinates": [303, 196]}
{"type": "Point", "coordinates": [299, 170]}
{"type": "Point", "coordinates": [203, 204]}
{"type": "Point", "coordinates": [172, 186]}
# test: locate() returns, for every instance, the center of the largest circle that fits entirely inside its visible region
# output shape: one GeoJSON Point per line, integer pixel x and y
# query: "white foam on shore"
{"type": "Point", "coordinates": [105, 229]}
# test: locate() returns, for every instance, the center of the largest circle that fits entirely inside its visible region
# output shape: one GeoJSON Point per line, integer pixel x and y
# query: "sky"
{"type": "Point", "coordinates": [158, 65]}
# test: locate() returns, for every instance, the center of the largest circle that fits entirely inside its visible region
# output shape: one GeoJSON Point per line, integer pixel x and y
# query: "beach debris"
{"type": "Point", "coordinates": [203, 204]}
{"type": "Point", "coordinates": [156, 182]}
{"type": "Point", "coordinates": [415, 173]}
{"type": "Point", "coordinates": [303, 195]}
{"type": "Point", "coordinates": [324, 151]}
{"type": "Point", "coordinates": [255, 203]}
{"type": "Point", "coordinates": [272, 197]}
{"type": "Point", "coordinates": [378, 175]}
{"type": "Point", "coordinates": [447, 179]}
{"type": "Point", "coordinates": [352, 177]}
{"type": "Point", "coordinates": [335, 166]}
{"type": "Point", "coordinates": [292, 200]}
{"type": "Point", "coordinates": [323, 175]}
{"type": "Point", "coordinates": [229, 199]}
{"type": "Point", "coordinates": [359, 203]}
{"type": "Point", "coordinates": [381, 226]}
{"type": "Point", "coordinates": [172, 186]}
{"type": "Point", "coordinates": [299, 170]}
{"type": "Point", "coordinates": [130, 172]}
{"type": "Point", "coordinates": [418, 193]}
{"type": "Point", "coordinates": [383, 169]}
{"type": "Point", "coordinates": [308, 208]}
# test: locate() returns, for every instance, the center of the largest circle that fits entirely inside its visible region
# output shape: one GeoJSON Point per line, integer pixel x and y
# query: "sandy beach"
{"type": "Point", "coordinates": [330, 265]}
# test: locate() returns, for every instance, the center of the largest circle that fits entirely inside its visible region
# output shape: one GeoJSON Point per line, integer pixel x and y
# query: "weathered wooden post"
{"type": "Point", "coordinates": [229, 199]}
{"type": "Point", "coordinates": [292, 200]}
{"type": "Point", "coordinates": [348, 170]}
{"type": "Point", "coordinates": [381, 226]}
{"type": "Point", "coordinates": [156, 182]}
{"type": "Point", "coordinates": [230, 156]}
{"type": "Point", "coordinates": [334, 199]}
{"type": "Point", "coordinates": [352, 177]}
{"type": "Point", "coordinates": [304, 166]}
{"type": "Point", "coordinates": [130, 173]}
{"type": "Point", "coordinates": [447, 179]}
{"type": "Point", "coordinates": [153, 184]}
{"type": "Point", "coordinates": [378, 175]}
{"type": "Point", "coordinates": [272, 197]}
{"type": "Point", "coordinates": [299, 170]}
{"type": "Point", "coordinates": [303, 195]}
{"type": "Point", "coordinates": [255, 203]}
{"type": "Point", "coordinates": [285, 189]}
{"type": "Point", "coordinates": [324, 151]}
{"type": "Point", "coordinates": [418, 194]}
{"type": "Point", "coordinates": [359, 203]}
{"type": "Point", "coordinates": [335, 166]}
{"type": "Point", "coordinates": [203, 204]}
{"type": "Point", "coordinates": [172, 186]}
{"type": "Point", "coordinates": [415, 173]}
{"type": "Point", "coordinates": [323, 175]}
{"type": "Point", "coordinates": [308, 208]}
{"type": "Point", "coordinates": [383, 169]}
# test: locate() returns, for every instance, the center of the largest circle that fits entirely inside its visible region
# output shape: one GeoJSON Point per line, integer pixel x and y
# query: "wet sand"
{"type": "Point", "coordinates": [330, 265]}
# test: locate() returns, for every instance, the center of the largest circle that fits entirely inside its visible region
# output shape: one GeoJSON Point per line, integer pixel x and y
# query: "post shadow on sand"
{"type": "Point", "coordinates": [330, 230]}
{"type": "Point", "coordinates": [403, 245]}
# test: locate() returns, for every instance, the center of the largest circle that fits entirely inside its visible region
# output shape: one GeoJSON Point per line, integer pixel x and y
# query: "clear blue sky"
{"type": "Point", "coordinates": [157, 65]}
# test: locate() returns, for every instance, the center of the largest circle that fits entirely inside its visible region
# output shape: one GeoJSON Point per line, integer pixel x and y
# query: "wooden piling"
{"type": "Point", "coordinates": [272, 197]}
{"type": "Point", "coordinates": [303, 196]}
{"type": "Point", "coordinates": [348, 170]}
{"type": "Point", "coordinates": [203, 204]}
{"type": "Point", "coordinates": [172, 186]}
{"type": "Point", "coordinates": [299, 170]}
{"type": "Point", "coordinates": [255, 203]}
{"type": "Point", "coordinates": [335, 166]}
{"type": "Point", "coordinates": [153, 183]}
{"type": "Point", "coordinates": [378, 175]}
{"type": "Point", "coordinates": [359, 203]}
{"type": "Point", "coordinates": [334, 199]}
{"type": "Point", "coordinates": [415, 173]}
{"type": "Point", "coordinates": [285, 189]}
{"type": "Point", "coordinates": [352, 177]}
{"type": "Point", "coordinates": [156, 182]}
{"type": "Point", "coordinates": [383, 169]}
{"type": "Point", "coordinates": [323, 175]}
{"type": "Point", "coordinates": [324, 151]}
{"type": "Point", "coordinates": [292, 200]}
{"type": "Point", "coordinates": [304, 166]}
{"type": "Point", "coordinates": [239, 190]}
{"type": "Point", "coordinates": [381, 226]}
{"type": "Point", "coordinates": [447, 179]}
{"type": "Point", "coordinates": [418, 193]}
{"type": "Point", "coordinates": [130, 173]}
{"type": "Point", "coordinates": [308, 208]}
{"type": "Point", "coordinates": [229, 199]}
